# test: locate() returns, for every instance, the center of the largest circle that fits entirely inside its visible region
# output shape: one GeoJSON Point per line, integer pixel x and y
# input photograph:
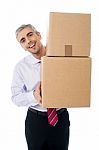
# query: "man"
{"type": "Point", "coordinates": [26, 91]}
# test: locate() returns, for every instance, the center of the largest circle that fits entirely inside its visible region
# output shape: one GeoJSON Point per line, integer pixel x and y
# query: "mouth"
{"type": "Point", "coordinates": [32, 45]}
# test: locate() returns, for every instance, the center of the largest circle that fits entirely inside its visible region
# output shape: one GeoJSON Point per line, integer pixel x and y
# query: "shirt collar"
{"type": "Point", "coordinates": [32, 60]}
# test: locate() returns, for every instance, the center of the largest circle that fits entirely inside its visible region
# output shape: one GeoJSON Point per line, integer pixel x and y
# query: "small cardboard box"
{"type": "Point", "coordinates": [69, 34]}
{"type": "Point", "coordinates": [66, 81]}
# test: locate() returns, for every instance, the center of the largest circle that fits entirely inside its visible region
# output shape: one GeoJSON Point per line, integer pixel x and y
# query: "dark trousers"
{"type": "Point", "coordinates": [42, 136]}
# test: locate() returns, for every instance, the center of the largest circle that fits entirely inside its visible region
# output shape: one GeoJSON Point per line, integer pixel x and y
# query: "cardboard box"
{"type": "Point", "coordinates": [69, 34]}
{"type": "Point", "coordinates": [66, 81]}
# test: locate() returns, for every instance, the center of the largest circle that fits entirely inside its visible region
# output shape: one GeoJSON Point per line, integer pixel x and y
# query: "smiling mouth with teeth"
{"type": "Point", "coordinates": [33, 45]}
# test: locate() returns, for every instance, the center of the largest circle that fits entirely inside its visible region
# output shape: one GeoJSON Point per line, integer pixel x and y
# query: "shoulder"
{"type": "Point", "coordinates": [23, 62]}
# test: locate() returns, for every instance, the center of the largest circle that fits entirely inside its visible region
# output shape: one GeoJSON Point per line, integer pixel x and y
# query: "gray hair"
{"type": "Point", "coordinates": [25, 26]}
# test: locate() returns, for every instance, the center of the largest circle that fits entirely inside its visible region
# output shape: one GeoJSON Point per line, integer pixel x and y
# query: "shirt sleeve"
{"type": "Point", "coordinates": [20, 95]}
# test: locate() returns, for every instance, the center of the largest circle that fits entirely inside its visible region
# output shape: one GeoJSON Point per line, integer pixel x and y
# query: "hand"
{"type": "Point", "coordinates": [37, 93]}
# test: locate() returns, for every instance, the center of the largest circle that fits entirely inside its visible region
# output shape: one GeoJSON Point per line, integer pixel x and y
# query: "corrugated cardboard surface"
{"type": "Point", "coordinates": [65, 81]}
{"type": "Point", "coordinates": [69, 34]}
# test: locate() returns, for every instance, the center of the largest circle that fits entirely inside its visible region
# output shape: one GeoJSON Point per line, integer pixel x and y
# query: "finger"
{"type": "Point", "coordinates": [39, 86]}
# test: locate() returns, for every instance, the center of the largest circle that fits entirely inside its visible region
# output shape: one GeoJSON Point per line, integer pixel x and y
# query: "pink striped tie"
{"type": "Point", "coordinates": [52, 116]}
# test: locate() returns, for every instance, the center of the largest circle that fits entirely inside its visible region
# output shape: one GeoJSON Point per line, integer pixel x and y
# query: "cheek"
{"type": "Point", "coordinates": [24, 46]}
{"type": "Point", "coordinates": [39, 43]}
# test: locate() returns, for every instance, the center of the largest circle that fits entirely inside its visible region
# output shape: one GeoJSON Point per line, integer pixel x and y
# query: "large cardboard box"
{"type": "Point", "coordinates": [69, 34]}
{"type": "Point", "coordinates": [66, 81]}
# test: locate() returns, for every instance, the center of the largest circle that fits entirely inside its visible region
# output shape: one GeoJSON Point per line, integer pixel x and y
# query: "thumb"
{"type": "Point", "coordinates": [38, 87]}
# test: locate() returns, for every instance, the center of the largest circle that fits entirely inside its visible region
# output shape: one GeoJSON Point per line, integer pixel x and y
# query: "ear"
{"type": "Point", "coordinates": [39, 35]}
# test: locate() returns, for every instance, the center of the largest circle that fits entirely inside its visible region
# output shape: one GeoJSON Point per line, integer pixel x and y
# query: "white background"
{"type": "Point", "coordinates": [84, 133]}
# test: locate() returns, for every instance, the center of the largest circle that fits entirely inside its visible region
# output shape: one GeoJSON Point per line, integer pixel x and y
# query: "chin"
{"type": "Point", "coordinates": [36, 51]}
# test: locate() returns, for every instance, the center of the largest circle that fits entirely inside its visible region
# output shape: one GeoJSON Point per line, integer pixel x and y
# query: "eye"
{"type": "Point", "coordinates": [22, 40]}
{"type": "Point", "coordinates": [30, 34]}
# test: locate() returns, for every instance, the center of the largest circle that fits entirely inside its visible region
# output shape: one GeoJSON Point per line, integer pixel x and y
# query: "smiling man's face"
{"type": "Point", "coordinates": [30, 40]}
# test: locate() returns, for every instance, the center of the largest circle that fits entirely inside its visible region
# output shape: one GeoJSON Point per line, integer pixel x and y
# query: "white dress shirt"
{"type": "Point", "coordinates": [25, 78]}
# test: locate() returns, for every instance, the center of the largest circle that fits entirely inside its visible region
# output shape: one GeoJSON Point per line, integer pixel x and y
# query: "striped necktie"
{"type": "Point", "coordinates": [52, 116]}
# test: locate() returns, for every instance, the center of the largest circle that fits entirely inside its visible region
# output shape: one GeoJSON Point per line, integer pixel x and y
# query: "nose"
{"type": "Point", "coordinates": [28, 40]}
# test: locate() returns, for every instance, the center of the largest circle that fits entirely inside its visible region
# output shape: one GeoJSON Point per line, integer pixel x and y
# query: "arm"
{"type": "Point", "coordinates": [20, 95]}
